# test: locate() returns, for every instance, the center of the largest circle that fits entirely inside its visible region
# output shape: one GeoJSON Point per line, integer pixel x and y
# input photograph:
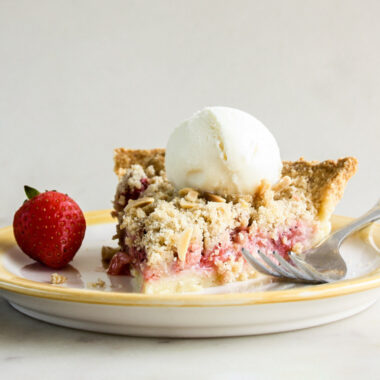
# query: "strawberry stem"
{"type": "Point", "coordinates": [30, 192]}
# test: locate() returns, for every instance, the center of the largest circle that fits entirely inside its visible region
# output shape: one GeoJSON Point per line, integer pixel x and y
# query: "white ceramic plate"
{"type": "Point", "coordinates": [253, 307]}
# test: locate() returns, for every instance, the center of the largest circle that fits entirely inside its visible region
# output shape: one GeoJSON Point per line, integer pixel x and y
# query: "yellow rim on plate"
{"type": "Point", "coordinates": [13, 283]}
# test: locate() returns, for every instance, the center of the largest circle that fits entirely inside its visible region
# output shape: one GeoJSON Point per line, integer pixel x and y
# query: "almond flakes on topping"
{"type": "Point", "coordinates": [192, 196]}
{"type": "Point", "coordinates": [140, 213]}
{"type": "Point", "coordinates": [186, 204]}
{"type": "Point", "coordinates": [141, 202]}
{"type": "Point", "coordinates": [183, 242]}
{"type": "Point", "coordinates": [214, 198]}
{"type": "Point", "coordinates": [184, 191]}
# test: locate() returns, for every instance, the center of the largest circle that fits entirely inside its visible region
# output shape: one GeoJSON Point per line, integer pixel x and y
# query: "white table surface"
{"type": "Point", "coordinates": [348, 349]}
{"type": "Point", "coordinates": [80, 78]}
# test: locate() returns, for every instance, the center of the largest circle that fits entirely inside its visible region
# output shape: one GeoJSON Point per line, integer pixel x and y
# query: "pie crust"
{"type": "Point", "coordinates": [184, 240]}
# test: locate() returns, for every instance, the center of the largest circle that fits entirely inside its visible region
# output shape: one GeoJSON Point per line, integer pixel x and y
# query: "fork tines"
{"type": "Point", "coordinates": [277, 266]}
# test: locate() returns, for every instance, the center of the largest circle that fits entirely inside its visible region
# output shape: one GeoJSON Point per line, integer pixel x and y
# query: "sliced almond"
{"type": "Point", "coordinates": [214, 198]}
{"type": "Point", "coordinates": [184, 191]}
{"type": "Point", "coordinates": [183, 242]}
{"type": "Point", "coordinates": [140, 213]}
{"type": "Point", "coordinates": [186, 204]}
{"type": "Point", "coordinates": [192, 196]}
{"type": "Point", "coordinates": [141, 202]}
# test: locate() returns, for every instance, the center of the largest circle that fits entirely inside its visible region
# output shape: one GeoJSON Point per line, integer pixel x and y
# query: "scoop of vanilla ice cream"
{"type": "Point", "coordinates": [222, 150]}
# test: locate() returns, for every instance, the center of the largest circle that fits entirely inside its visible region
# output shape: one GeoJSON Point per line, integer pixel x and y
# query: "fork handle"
{"type": "Point", "coordinates": [358, 224]}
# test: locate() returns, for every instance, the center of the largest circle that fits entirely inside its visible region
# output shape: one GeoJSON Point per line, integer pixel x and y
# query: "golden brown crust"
{"type": "Point", "coordinates": [323, 182]}
{"type": "Point", "coordinates": [124, 158]}
{"type": "Point", "coordinates": [163, 228]}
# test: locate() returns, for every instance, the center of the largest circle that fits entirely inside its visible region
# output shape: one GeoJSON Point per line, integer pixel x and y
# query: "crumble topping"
{"type": "Point", "coordinates": [99, 284]}
{"type": "Point", "coordinates": [131, 183]}
{"type": "Point", "coordinates": [167, 228]}
{"type": "Point", "coordinates": [157, 221]}
{"type": "Point", "coordinates": [57, 279]}
{"type": "Point", "coordinates": [324, 182]}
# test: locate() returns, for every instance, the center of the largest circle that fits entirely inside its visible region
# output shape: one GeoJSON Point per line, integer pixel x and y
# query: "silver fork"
{"type": "Point", "coordinates": [317, 265]}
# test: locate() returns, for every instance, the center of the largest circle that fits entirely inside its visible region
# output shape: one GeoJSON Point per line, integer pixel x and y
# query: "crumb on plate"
{"type": "Point", "coordinates": [57, 279]}
{"type": "Point", "coordinates": [99, 284]}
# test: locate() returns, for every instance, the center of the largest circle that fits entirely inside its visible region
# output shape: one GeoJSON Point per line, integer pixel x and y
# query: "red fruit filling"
{"type": "Point", "coordinates": [197, 258]}
{"type": "Point", "coordinates": [135, 193]}
{"type": "Point", "coordinates": [119, 264]}
{"type": "Point", "coordinates": [122, 262]}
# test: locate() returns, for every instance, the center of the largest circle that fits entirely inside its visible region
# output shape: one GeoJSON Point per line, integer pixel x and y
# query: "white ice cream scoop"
{"type": "Point", "coordinates": [222, 150]}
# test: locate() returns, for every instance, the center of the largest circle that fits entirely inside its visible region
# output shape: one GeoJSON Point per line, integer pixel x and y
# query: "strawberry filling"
{"type": "Point", "coordinates": [119, 264]}
{"type": "Point", "coordinates": [135, 193]}
{"type": "Point", "coordinates": [284, 242]}
{"type": "Point", "coordinates": [122, 262]}
{"type": "Point", "coordinates": [230, 251]}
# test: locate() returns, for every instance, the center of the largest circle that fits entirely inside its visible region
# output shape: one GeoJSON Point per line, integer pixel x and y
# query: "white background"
{"type": "Point", "coordinates": [79, 78]}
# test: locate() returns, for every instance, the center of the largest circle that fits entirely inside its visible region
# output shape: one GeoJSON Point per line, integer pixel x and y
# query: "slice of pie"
{"type": "Point", "coordinates": [186, 240]}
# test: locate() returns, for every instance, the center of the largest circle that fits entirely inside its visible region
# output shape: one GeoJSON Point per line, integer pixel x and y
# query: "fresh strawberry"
{"type": "Point", "coordinates": [49, 227]}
